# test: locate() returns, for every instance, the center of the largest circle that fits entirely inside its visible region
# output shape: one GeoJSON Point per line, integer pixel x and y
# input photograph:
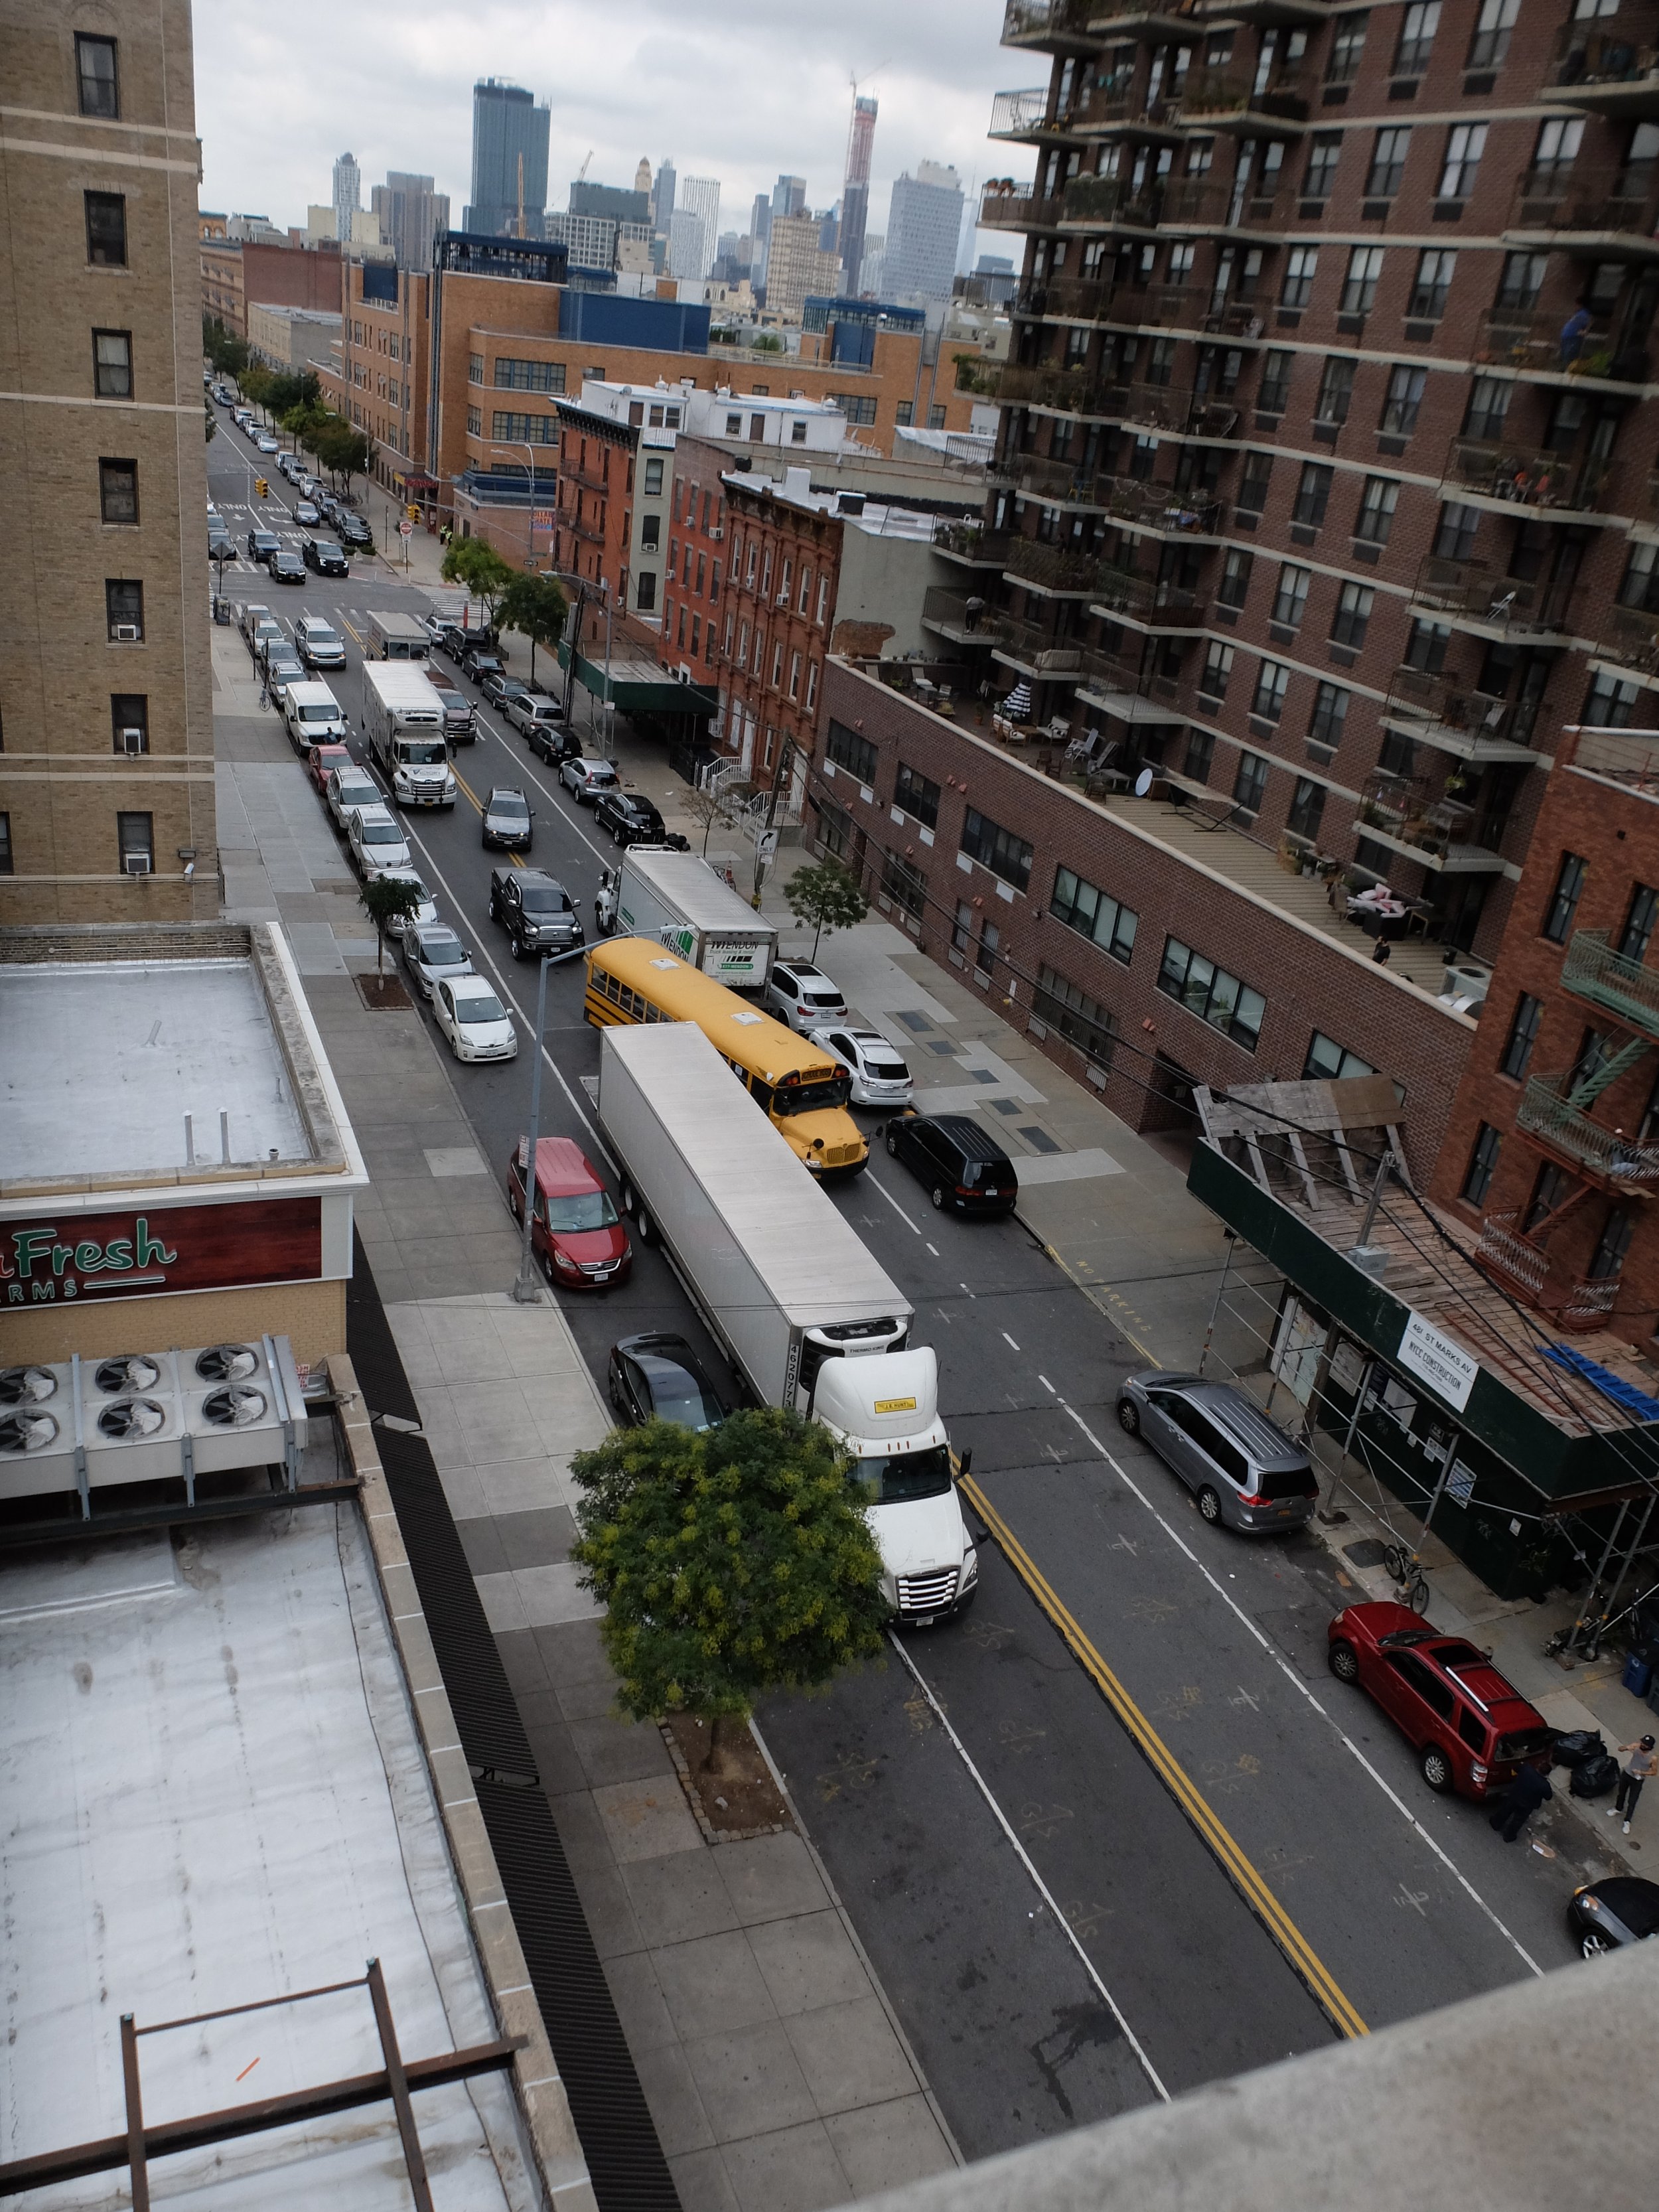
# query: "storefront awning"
{"type": "Point", "coordinates": [641, 686]}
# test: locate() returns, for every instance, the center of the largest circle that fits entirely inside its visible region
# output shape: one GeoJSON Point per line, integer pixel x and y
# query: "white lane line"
{"type": "Point", "coordinates": [1009, 1341]}
{"type": "Point", "coordinates": [965, 1286]}
{"type": "Point", "coordinates": [1047, 1386]}
{"type": "Point", "coordinates": [501, 738]}
{"type": "Point", "coordinates": [1025, 1858]}
{"type": "Point", "coordinates": [871, 1178]}
{"type": "Point", "coordinates": [933, 1249]}
{"type": "Point", "coordinates": [1296, 1683]}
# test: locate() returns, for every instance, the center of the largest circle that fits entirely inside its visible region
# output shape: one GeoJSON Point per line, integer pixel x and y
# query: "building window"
{"type": "Point", "coordinates": [996, 848]}
{"type": "Point", "coordinates": [123, 606]}
{"type": "Point", "coordinates": [111, 364]}
{"type": "Point", "coordinates": [118, 491]}
{"type": "Point", "coordinates": [1400, 409]}
{"type": "Point", "coordinates": [6, 866]}
{"type": "Point", "coordinates": [1328, 1061]}
{"type": "Point", "coordinates": [1301, 267]}
{"type": "Point", "coordinates": [1523, 1033]}
{"type": "Point", "coordinates": [1273, 394]}
{"type": "Point", "coordinates": [1610, 703]}
{"type": "Point", "coordinates": [1313, 494]}
{"type": "Point", "coordinates": [1249, 782]}
{"type": "Point", "coordinates": [1426, 644]}
{"type": "Point", "coordinates": [645, 590]}
{"type": "Point", "coordinates": [1465, 144]}
{"type": "Point", "coordinates": [1558, 141]}
{"type": "Point", "coordinates": [528, 430]}
{"type": "Point", "coordinates": [1563, 899]}
{"type": "Point", "coordinates": [134, 836]}
{"type": "Point", "coordinates": [1335, 391]}
{"type": "Point", "coordinates": [1323, 155]}
{"type": "Point", "coordinates": [1200, 751]}
{"type": "Point", "coordinates": [811, 681]}
{"type": "Point", "coordinates": [1388, 169]}
{"type": "Point", "coordinates": [860, 412]}
{"type": "Point", "coordinates": [1483, 1161]}
{"type": "Point", "coordinates": [1235, 585]}
{"type": "Point", "coordinates": [904, 414]}
{"type": "Point", "coordinates": [106, 230]}
{"type": "Point", "coordinates": [1523, 280]}
{"type": "Point", "coordinates": [985, 954]}
{"type": "Point", "coordinates": [1455, 533]}
{"type": "Point", "coordinates": [528, 375]}
{"type": "Point", "coordinates": [1272, 681]}
{"type": "Point", "coordinates": [851, 751]}
{"type": "Point", "coordinates": [1613, 1244]}
{"type": "Point", "coordinates": [936, 418]}
{"type": "Point", "coordinates": [1359, 285]}
{"type": "Point", "coordinates": [1377, 504]}
{"type": "Point", "coordinates": [1087, 909]}
{"type": "Point", "coordinates": [917, 795]}
{"type": "Point", "coordinates": [653, 479]}
{"type": "Point", "coordinates": [1290, 597]}
{"type": "Point", "coordinates": [1436, 268]}
{"type": "Point", "coordinates": [650, 533]}
{"type": "Point", "coordinates": [1421, 21]}
{"type": "Point", "coordinates": [1354, 614]}
{"type": "Point", "coordinates": [904, 884]}
{"type": "Point", "coordinates": [1307, 808]}
{"type": "Point", "coordinates": [1210, 993]}
{"type": "Point", "coordinates": [95, 67]}
{"type": "Point", "coordinates": [1488, 407]}
{"type": "Point", "coordinates": [1330, 714]}
{"type": "Point", "coordinates": [1347, 44]}
{"type": "Point", "coordinates": [1217, 667]}
{"type": "Point", "coordinates": [1256, 475]}
{"type": "Point", "coordinates": [1491, 42]}
{"type": "Point", "coordinates": [1639, 923]}
{"type": "Point", "coordinates": [475, 368]}
{"type": "Point", "coordinates": [474, 422]}
{"type": "Point", "coordinates": [1080, 1019]}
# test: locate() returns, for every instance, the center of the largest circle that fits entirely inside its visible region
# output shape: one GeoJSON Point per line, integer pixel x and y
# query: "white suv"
{"type": "Point", "coordinates": [377, 843]}
{"type": "Point", "coordinates": [803, 995]}
{"type": "Point", "coordinates": [319, 642]}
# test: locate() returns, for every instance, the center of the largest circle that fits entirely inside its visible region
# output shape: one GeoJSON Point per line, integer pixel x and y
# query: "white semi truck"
{"type": "Point", "coordinates": [403, 719]}
{"type": "Point", "coordinates": [678, 898]}
{"type": "Point", "coordinates": [805, 1312]}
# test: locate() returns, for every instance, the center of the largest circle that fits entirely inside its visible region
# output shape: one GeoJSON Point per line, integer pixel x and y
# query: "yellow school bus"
{"type": "Point", "coordinates": [803, 1089]}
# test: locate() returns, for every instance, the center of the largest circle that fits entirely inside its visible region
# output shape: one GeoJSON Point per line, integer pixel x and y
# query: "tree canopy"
{"type": "Point", "coordinates": [387, 899]}
{"type": "Point", "coordinates": [535, 605]}
{"type": "Point", "coordinates": [475, 562]}
{"type": "Point", "coordinates": [825, 895]}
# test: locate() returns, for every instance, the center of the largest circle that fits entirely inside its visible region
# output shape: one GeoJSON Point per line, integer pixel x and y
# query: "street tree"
{"type": "Point", "coordinates": [211, 429]}
{"type": "Point", "coordinates": [703, 806]}
{"type": "Point", "coordinates": [342, 451]}
{"type": "Point", "coordinates": [535, 606]}
{"type": "Point", "coordinates": [475, 564]}
{"type": "Point", "coordinates": [731, 1564]}
{"type": "Point", "coordinates": [826, 896]}
{"type": "Point", "coordinates": [291, 389]}
{"type": "Point", "coordinates": [228, 353]}
{"type": "Point", "coordinates": [387, 899]}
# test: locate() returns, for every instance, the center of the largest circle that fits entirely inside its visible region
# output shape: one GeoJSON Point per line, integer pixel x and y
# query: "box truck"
{"type": "Point", "coordinates": [395, 637]}
{"type": "Point", "coordinates": [404, 718]}
{"type": "Point", "coordinates": [679, 899]}
{"type": "Point", "coordinates": [803, 1310]}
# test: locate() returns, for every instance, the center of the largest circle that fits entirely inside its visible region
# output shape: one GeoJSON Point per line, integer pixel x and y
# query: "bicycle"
{"type": "Point", "coordinates": [1403, 1568]}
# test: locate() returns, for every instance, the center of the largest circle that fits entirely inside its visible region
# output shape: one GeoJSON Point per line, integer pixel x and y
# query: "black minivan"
{"type": "Point", "coordinates": [960, 1164]}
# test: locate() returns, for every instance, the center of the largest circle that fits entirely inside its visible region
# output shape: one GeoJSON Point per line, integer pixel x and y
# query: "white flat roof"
{"type": "Point", "coordinates": [106, 1059]}
{"type": "Point", "coordinates": [214, 1794]}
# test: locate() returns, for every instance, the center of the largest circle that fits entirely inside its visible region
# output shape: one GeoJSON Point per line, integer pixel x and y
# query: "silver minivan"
{"type": "Point", "coordinates": [1245, 1472]}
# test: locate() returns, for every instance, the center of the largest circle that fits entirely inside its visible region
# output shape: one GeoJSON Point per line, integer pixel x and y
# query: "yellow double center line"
{"type": "Point", "coordinates": [1248, 1881]}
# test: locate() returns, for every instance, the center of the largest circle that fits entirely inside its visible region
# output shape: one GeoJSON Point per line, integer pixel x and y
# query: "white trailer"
{"type": "Point", "coordinates": [678, 898]}
{"type": "Point", "coordinates": [808, 1317]}
{"type": "Point", "coordinates": [404, 718]}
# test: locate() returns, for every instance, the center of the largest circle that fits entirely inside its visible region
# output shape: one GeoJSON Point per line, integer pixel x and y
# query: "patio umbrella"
{"type": "Point", "coordinates": [1018, 705]}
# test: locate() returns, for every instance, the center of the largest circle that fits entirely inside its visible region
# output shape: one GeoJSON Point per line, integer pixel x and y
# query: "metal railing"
{"type": "Point", "coordinates": [1064, 568]}
{"type": "Point", "coordinates": [1575, 1302]}
{"type": "Point", "coordinates": [1546, 1112]}
{"type": "Point", "coordinates": [1584, 199]}
{"type": "Point", "coordinates": [1525, 475]}
{"type": "Point", "coordinates": [1034, 647]}
{"type": "Point", "coordinates": [1630, 635]}
{"type": "Point", "coordinates": [1474, 589]}
{"type": "Point", "coordinates": [1211, 93]}
{"type": "Point", "coordinates": [1592, 970]}
{"type": "Point", "coordinates": [1025, 384]}
{"type": "Point", "coordinates": [1113, 199]}
{"type": "Point", "coordinates": [945, 607]}
{"type": "Point", "coordinates": [1017, 114]}
{"type": "Point", "coordinates": [1588, 57]}
{"type": "Point", "coordinates": [972, 540]}
{"type": "Point", "coordinates": [1004, 205]}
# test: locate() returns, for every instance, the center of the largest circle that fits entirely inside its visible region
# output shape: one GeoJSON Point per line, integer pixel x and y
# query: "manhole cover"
{"type": "Point", "coordinates": [1368, 1552]}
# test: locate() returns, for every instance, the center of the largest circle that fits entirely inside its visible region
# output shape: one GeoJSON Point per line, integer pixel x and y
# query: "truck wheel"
{"type": "Point", "coordinates": [517, 946]}
{"type": "Point", "coordinates": [642, 1224]}
{"type": "Point", "coordinates": [625, 1192]}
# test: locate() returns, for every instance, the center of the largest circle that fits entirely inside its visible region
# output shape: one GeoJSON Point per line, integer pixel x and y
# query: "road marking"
{"type": "Point", "coordinates": [1093, 1292]}
{"type": "Point", "coordinates": [565, 812]}
{"type": "Point", "coordinates": [875, 1182]}
{"type": "Point", "coordinates": [1303, 1960]}
{"type": "Point", "coordinates": [1038, 1883]}
{"type": "Point", "coordinates": [354, 636]}
{"type": "Point", "coordinates": [1047, 1386]}
{"type": "Point", "coordinates": [1297, 1682]}
{"type": "Point", "coordinates": [933, 1249]}
{"type": "Point", "coordinates": [1009, 1341]}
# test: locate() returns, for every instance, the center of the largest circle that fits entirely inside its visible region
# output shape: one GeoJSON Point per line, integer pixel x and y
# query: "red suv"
{"type": "Point", "coordinates": [576, 1233]}
{"type": "Point", "coordinates": [1471, 1730]}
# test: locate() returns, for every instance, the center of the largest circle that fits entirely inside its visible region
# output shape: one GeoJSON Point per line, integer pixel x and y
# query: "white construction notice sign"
{"type": "Point", "coordinates": [1447, 1369]}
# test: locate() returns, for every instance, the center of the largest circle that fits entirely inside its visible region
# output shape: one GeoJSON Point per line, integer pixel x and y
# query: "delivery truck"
{"type": "Point", "coordinates": [679, 899]}
{"type": "Point", "coordinates": [805, 1312]}
{"type": "Point", "coordinates": [403, 719]}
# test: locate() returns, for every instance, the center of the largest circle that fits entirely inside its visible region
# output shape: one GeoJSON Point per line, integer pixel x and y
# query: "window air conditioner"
{"type": "Point", "coordinates": [132, 741]}
{"type": "Point", "coordinates": [135, 863]}
{"type": "Point", "coordinates": [127, 632]}
{"type": "Point", "coordinates": [783, 598]}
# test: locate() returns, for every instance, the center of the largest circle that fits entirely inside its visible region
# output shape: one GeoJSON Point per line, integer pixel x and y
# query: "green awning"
{"type": "Point", "coordinates": [641, 686]}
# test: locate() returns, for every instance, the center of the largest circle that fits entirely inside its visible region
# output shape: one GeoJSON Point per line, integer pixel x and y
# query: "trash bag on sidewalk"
{"type": "Point", "coordinates": [1595, 1777]}
{"type": "Point", "coordinates": [1578, 1745]}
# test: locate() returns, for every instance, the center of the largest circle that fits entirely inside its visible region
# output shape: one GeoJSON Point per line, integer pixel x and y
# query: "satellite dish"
{"type": "Point", "coordinates": [1143, 783]}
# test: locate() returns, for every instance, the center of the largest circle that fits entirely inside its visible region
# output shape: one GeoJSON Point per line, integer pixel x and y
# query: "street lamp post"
{"type": "Point", "coordinates": [526, 1292]}
{"type": "Point", "coordinates": [512, 447]}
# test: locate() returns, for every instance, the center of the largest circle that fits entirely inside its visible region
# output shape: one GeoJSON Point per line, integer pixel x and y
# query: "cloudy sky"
{"type": "Point", "coordinates": [737, 89]}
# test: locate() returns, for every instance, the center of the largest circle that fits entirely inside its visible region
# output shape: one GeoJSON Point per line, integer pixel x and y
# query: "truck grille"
{"type": "Point", "coordinates": [841, 1156]}
{"type": "Point", "coordinates": [927, 1592]}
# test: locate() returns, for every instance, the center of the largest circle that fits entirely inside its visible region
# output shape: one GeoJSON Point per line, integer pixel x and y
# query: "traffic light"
{"type": "Point", "coordinates": [412, 512]}
{"type": "Point", "coordinates": [262, 487]}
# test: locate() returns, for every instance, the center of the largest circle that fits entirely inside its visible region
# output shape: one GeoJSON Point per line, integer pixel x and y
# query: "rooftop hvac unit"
{"type": "Point", "coordinates": [127, 632]}
{"type": "Point", "coordinates": [135, 863]}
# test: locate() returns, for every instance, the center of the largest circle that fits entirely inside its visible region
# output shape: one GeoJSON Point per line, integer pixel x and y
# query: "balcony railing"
{"type": "Point", "coordinates": [969, 541]}
{"type": "Point", "coordinates": [1063, 569]}
{"type": "Point", "coordinates": [1019, 114]}
{"type": "Point", "coordinates": [1144, 599]}
{"type": "Point", "coordinates": [1024, 384]}
{"type": "Point", "coordinates": [1474, 590]}
{"type": "Point", "coordinates": [1592, 60]}
{"type": "Point", "coordinates": [1630, 635]}
{"type": "Point", "coordinates": [1005, 205]}
{"type": "Point", "coordinates": [1621, 987]}
{"type": "Point", "coordinates": [1505, 1250]}
{"type": "Point", "coordinates": [1402, 807]}
{"type": "Point", "coordinates": [1081, 299]}
{"type": "Point", "coordinates": [1029, 23]}
{"type": "Point", "coordinates": [1524, 475]}
{"type": "Point", "coordinates": [1034, 647]}
{"type": "Point", "coordinates": [1547, 1113]}
{"type": "Point", "coordinates": [946, 608]}
{"type": "Point", "coordinates": [1113, 199]}
{"type": "Point", "coordinates": [1218, 96]}
{"type": "Point", "coordinates": [1609, 201]}
{"type": "Point", "coordinates": [1205, 203]}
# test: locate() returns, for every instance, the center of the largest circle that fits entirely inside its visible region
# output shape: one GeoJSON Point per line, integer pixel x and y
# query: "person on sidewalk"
{"type": "Point", "coordinates": [1528, 1790]}
{"type": "Point", "coordinates": [1641, 1767]}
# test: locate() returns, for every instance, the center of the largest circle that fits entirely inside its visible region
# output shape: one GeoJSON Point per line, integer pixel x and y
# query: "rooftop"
{"type": "Point", "coordinates": [874, 518]}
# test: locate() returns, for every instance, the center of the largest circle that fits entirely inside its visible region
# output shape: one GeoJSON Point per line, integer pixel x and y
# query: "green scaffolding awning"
{"type": "Point", "coordinates": [636, 687]}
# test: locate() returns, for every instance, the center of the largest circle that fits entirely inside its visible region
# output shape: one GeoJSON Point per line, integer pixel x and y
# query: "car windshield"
{"type": "Point", "coordinates": [422, 752]}
{"type": "Point", "coordinates": [509, 803]}
{"type": "Point", "coordinates": [443, 951]}
{"type": "Point", "coordinates": [677, 1396]}
{"type": "Point", "coordinates": [901, 1480]}
{"type": "Point", "coordinates": [586, 1209]}
{"type": "Point", "coordinates": [815, 1095]}
{"type": "Point", "coordinates": [1277, 1482]}
{"type": "Point", "coordinates": [485, 1006]}
{"type": "Point", "coordinates": [543, 899]}
{"type": "Point", "coordinates": [382, 833]}
{"type": "Point", "coordinates": [886, 1066]}
{"type": "Point", "coordinates": [326, 713]}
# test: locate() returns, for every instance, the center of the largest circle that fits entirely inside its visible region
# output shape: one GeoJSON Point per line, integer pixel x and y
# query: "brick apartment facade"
{"type": "Point", "coordinates": [782, 574]}
{"type": "Point", "coordinates": [385, 371]}
{"type": "Point", "coordinates": [1312, 496]}
{"type": "Point", "coordinates": [694, 579]}
{"type": "Point", "coordinates": [237, 274]}
{"type": "Point", "coordinates": [1552, 1146]}
{"type": "Point", "coordinates": [1132, 965]}
{"type": "Point", "coordinates": [594, 518]}
{"type": "Point", "coordinates": [106, 792]}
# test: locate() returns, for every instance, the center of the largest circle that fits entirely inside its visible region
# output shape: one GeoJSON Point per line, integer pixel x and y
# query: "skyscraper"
{"type": "Point", "coordinates": [411, 213]}
{"type": "Point", "coordinates": [642, 176]}
{"type": "Point", "coordinates": [662, 196]}
{"type": "Point", "coordinates": [508, 130]}
{"type": "Point", "coordinates": [347, 195]}
{"type": "Point", "coordinates": [759, 233]}
{"type": "Point", "coordinates": [924, 224]}
{"type": "Point", "coordinates": [788, 196]}
{"type": "Point", "coordinates": [855, 192]}
{"type": "Point", "coordinates": [701, 197]}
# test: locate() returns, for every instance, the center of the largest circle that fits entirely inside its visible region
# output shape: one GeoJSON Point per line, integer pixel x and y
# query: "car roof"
{"type": "Point", "coordinates": [523, 876]}
{"type": "Point", "coordinates": [866, 1037]}
{"type": "Point", "coordinates": [563, 1168]}
{"type": "Point", "coordinates": [1244, 1420]}
{"type": "Point", "coordinates": [427, 933]}
{"type": "Point", "coordinates": [505, 791]}
{"type": "Point", "coordinates": [977, 1143]}
{"type": "Point", "coordinates": [380, 812]}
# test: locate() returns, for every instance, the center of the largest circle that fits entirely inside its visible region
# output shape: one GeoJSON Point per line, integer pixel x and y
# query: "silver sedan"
{"type": "Point", "coordinates": [432, 953]}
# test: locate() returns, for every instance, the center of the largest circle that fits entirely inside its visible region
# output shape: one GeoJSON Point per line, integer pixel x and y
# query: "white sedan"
{"type": "Point", "coordinates": [475, 1022]}
{"type": "Point", "coordinates": [425, 916]}
{"type": "Point", "coordinates": [880, 1075]}
{"type": "Point", "coordinates": [267, 444]}
{"type": "Point", "coordinates": [377, 842]}
{"type": "Point", "coordinates": [585, 779]}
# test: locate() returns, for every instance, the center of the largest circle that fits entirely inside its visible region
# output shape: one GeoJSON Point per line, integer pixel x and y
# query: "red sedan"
{"type": "Point", "coordinates": [576, 1230]}
{"type": "Point", "coordinates": [321, 758]}
{"type": "Point", "coordinates": [1471, 1730]}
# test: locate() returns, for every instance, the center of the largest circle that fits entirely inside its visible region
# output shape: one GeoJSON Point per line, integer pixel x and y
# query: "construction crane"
{"type": "Point", "coordinates": [581, 173]}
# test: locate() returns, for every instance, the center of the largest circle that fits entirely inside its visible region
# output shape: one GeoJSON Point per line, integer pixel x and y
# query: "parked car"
{"type": "Point", "coordinates": [286, 568]}
{"type": "Point", "coordinates": [1606, 1915]}
{"type": "Point", "coordinates": [249, 616]}
{"type": "Point", "coordinates": [323, 554]}
{"type": "Point", "coordinates": [507, 820]}
{"type": "Point", "coordinates": [803, 995]}
{"type": "Point", "coordinates": [425, 916]}
{"type": "Point", "coordinates": [880, 1075]}
{"type": "Point", "coordinates": [585, 779]}
{"type": "Point", "coordinates": [289, 465]}
{"type": "Point", "coordinates": [306, 514]}
{"type": "Point", "coordinates": [659, 1378]}
{"type": "Point", "coordinates": [628, 817]}
{"type": "Point", "coordinates": [1246, 1472]}
{"type": "Point", "coordinates": [321, 760]}
{"type": "Point", "coordinates": [266, 443]}
{"type": "Point", "coordinates": [376, 840]}
{"type": "Point", "coordinates": [283, 669]}
{"type": "Point", "coordinates": [478, 661]}
{"type": "Point", "coordinates": [350, 786]}
{"type": "Point", "coordinates": [460, 717]}
{"type": "Point", "coordinates": [434, 954]}
{"type": "Point", "coordinates": [1472, 1732]}
{"type": "Point", "coordinates": [270, 640]}
{"type": "Point", "coordinates": [354, 531]}
{"type": "Point", "coordinates": [474, 1023]}
{"type": "Point", "coordinates": [220, 541]}
{"type": "Point", "coordinates": [326, 505]}
{"type": "Point", "coordinates": [535, 911]}
{"type": "Point", "coordinates": [498, 687]}
{"type": "Point", "coordinates": [321, 644]}
{"type": "Point", "coordinates": [531, 713]}
{"type": "Point", "coordinates": [574, 1230]}
{"type": "Point", "coordinates": [262, 544]}
{"type": "Point", "coordinates": [959, 1165]}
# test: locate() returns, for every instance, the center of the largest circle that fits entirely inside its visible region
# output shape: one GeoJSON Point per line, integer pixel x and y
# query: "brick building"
{"type": "Point", "coordinates": [782, 574]}
{"type": "Point", "coordinates": [1554, 1143]}
{"type": "Point", "coordinates": [1322, 490]}
{"type": "Point", "coordinates": [106, 798]}
{"type": "Point", "coordinates": [237, 273]}
{"type": "Point", "coordinates": [594, 517]}
{"type": "Point", "coordinates": [382, 382]}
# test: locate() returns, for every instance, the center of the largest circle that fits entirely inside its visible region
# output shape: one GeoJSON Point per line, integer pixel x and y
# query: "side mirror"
{"type": "Point", "coordinates": [965, 1461]}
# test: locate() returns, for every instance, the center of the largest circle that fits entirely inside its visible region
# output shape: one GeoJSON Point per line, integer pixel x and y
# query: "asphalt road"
{"type": "Point", "coordinates": [1174, 1851]}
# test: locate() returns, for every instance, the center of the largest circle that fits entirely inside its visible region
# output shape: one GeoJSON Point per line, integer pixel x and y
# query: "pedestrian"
{"type": "Point", "coordinates": [1381, 952]}
{"type": "Point", "coordinates": [1572, 335]}
{"type": "Point", "coordinates": [1528, 1790]}
{"type": "Point", "coordinates": [1641, 1767]}
{"type": "Point", "coordinates": [973, 608]}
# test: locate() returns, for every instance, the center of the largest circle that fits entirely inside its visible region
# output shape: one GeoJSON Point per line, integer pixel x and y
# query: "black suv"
{"type": "Point", "coordinates": [262, 544]}
{"type": "Point", "coordinates": [630, 819]}
{"type": "Point", "coordinates": [323, 554]}
{"type": "Point", "coordinates": [354, 531]}
{"type": "Point", "coordinates": [959, 1165]}
{"type": "Point", "coordinates": [535, 911]}
{"type": "Point", "coordinates": [479, 661]}
{"type": "Point", "coordinates": [286, 568]}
